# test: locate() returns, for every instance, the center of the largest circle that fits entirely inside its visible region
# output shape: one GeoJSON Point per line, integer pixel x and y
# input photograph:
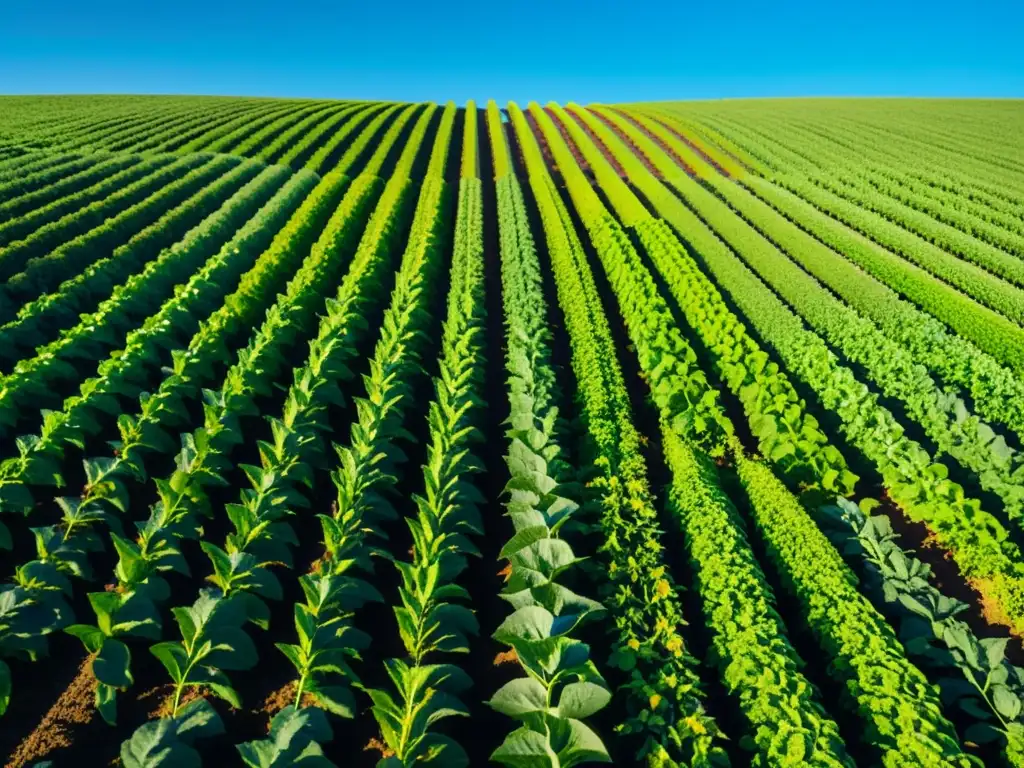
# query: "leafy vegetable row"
{"type": "Point", "coordinates": [319, 162]}
{"type": "Point", "coordinates": [662, 694]}
{"type": "Point", "coordinates": [39, 462]}
{"type": "Point", "coordinates": [85, 312]}
{"type": "Point", "coordinates": [216, 138]}
{"type": "Point", "coordinates": [982, 286]}
{"type": "Point", "coordinates": [43, 272]}
{"type": "Point", "coordinates": [871, 698]}
{"type": "Point", "coordinates": [328, 133]}
{"type": "Point", "coordinates": [223, 122]}
{"type": "Point", "coordinates": [22, 214]}
{"type": "Point", "coordinates": [977, 283]}
{"type": "Point", "coordinates": [128, 302]}
{"type": "Point", "coordinates": [260, 140]}
{"type": "Point", "coordinates": [261, 535]}
{"type": "Point", "coordinates": [982, 326]}
{"type": "Point", "coordinates": [432, 617]}
{"type": "Point", "coordinates": [37, 171]}
{"type": "Point", "coordinates": [921, 487]}
{"type": "Point", "coordinates": [14, 256]}
{"type": "Point", "coordinates": [562, 686]}
{"type": "Point", "coordinates": [295, 136]}
{"type": "Point", "coordinates": [945, 418]}
{"type": "Point", "coordinates": [153, 134]}
{"type": "Point", "coordinates": [974, 674]}
{"type": "Point", "coordinates": [956, 232]}
{"type": "Point", "coordinates": [696, 502]}
{"type": "Point", "coordinates": [39, 459]}
{"type": "Point", "coordinates": [923, 160]}
{"type": "Point", "coordinates": [786, 433]}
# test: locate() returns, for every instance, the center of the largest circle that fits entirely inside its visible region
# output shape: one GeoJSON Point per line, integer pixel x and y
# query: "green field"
{"type": "Point", "coordinates": [373, 433]}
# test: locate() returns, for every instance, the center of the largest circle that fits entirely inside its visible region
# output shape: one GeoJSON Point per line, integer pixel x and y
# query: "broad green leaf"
{"type": "Point", "coordinates": [519, 696]}
{"type": "Point", "coordinates": [112, 665]}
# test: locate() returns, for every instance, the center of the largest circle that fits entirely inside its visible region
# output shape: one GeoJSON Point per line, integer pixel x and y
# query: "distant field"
{"type": "Point", "coordinates": [365, 433]}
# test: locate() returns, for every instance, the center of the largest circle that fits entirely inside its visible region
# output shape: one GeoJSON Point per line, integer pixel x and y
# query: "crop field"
{"type": "Point", "coordinates": [373, 433]}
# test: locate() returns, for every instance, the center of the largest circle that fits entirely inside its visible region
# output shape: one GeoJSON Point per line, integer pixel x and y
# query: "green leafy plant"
{"type": "Point", "coordinates": [293, 741]}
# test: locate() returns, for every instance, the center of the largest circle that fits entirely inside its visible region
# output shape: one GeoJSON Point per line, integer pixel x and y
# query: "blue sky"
{"type": "Point", "coordinates": [582, 51]}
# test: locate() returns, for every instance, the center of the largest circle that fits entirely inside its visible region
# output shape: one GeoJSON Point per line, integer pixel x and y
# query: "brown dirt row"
{"type": "Point", "coordinates": [73, 708]}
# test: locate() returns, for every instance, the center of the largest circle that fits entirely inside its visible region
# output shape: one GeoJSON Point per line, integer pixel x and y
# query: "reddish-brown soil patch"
{"type": "Point", "coordinates": [73, 708]}
{"type": "Point", "coordinates": [281, 698]}
{"type": "Point", "coordinates": [601, 146]}
{"type": "Point", "coordinates": [984, 617]}
{"type": "Point", "coordinates": [651, 168]}
{"type": "Point", "coordinates": [161, 699]}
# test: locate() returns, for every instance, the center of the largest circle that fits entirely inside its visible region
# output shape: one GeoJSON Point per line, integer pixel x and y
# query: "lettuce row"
{"type": "Point", "coordinates": [256, 142]}
{"type": "Point", "coordinates": [870, 697]}
{"type": "Point", "coordinates": [920, 486]}
{"type": "Point", "coordinates": [328, 132]}
{"type": "Point", "coordinates": [662, 695]}
{"type": "Point", "coordinates": [977, 324]}
{"type": "Point", "coordinates": [786, 432]}
{"type": "Point", "coordinates": [204, 137]}
{"type": "Point", "coordinates": [295, 136]}
{"type": "Point", "coordinates": [987, 224]}
{"type": "Point", "coordinates": [750, 644]}
{"type": "Point", "coordinates": [173, 138]}
{"type": "Point", "coordinates": [127, 302]}
{"type": "Point", "coordinates": [676, 377]}
{"type": "Point", "coordinates": [24, 175]}
{"type": "Point", "coordinates": [960, 226]}
{"type": "Point", "coordinates": [319, 159]}
{"type": "Point", "coordinates": [936, 234]}
{"type": "Point", "coordinates": [145, 137]}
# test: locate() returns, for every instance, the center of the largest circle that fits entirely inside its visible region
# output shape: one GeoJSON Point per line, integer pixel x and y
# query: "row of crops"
{"type": "Point", "coordinates": [365, 433]}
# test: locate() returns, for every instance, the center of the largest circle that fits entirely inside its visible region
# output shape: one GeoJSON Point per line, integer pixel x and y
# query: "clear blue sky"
{"type": "Point", "coordinates": [521, 49]}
